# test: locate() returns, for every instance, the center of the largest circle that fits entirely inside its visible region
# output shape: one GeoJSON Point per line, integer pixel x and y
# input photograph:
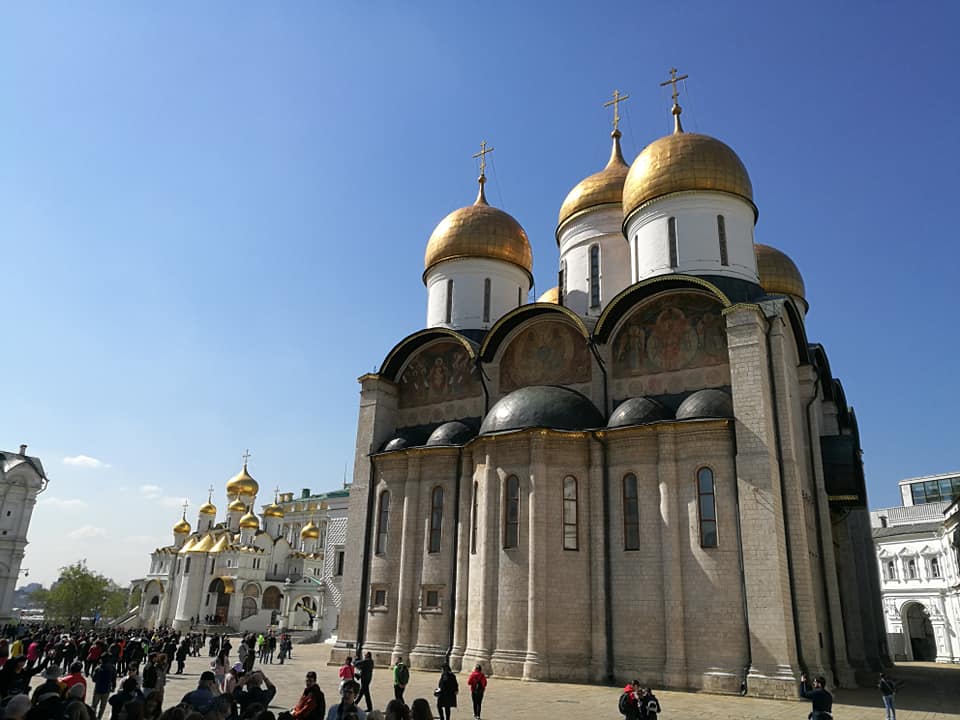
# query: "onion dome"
{"type": "Point", "coordinates": [479, 231]}
{"type": "Point", "coordinates": [250, 521]}
{"type": "Point", "coordinates": [208, 508]}
{"type": "Point", "coordinates": [684, 162]}
{"type": "Point", "coordinates": [602, 188]}
{"type": "Point", "coordinates": [310, 531]}
{"type": "Point", "coordinates": [182, 527]}
{"type": "Point", "coordinates": [551, 296]}
{"type": "Point", "coordinates": [637, 411]}
{"type": "Point", "coordinates": [242, 483]}
{"type": "Point", "coordinates": [542, 406]}
{"type": "Point", "coordinates": [237, 505]}
{"type": "Point", "coordinates": [273, 510]}
{"type": "Point", "coordinates": [778, 273]}
{"type": "Point", "coordinates": [710, 403]}
{"type": "Point", "coordinates": [450, 433]}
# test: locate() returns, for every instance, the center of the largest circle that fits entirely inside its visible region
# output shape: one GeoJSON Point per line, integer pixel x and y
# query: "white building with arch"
{"type": "Point", "coordinates": [918, 552]}
{"type": "Point", "coordinates": [22, 478]}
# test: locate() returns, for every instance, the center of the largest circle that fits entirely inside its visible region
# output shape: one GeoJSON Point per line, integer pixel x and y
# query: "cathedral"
{"type": "Point", "coordinates": [279, 571]}
{"type": "Point", "coordinates": [649, 472]}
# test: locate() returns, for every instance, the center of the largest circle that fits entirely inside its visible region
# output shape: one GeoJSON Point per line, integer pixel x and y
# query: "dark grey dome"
{"type": "Point", "coordinates": [397, 443]}
{"type": "Point", "coordinates": [546, 406]}
{"type": "Point", "coordinates": [706, 404]}
{"type": "Point", "coordinates": [637, 411]}
{"type": "Point", "coordinates": [450, 433]}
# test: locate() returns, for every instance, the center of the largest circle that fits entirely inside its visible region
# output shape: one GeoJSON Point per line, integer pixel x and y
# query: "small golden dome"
{"type": "Point", "coordinates": [242, 484]}
{"type": "Point", "coordinates": [273, 510]}
{"type": "Point", "coordinates": [684, 161]}
{"type": "Point", "coordinates": [778, 273]}
{"type": "Point", "coordinates": [182, 527]}
{"type": "Point", "coordinates": [551, 296]}
{"type": "Point", "coordinates": [310, 531]}
{"type": "Point", "coordinates": [208, 508]}
{"type": "Point", "coordinates": [237, 505]}
{"type": "Point", "coordinates": [249, 521]}
{"type": "Point", "coordinates": [480, 231]}
{"type": "Point", "coordinates": [602, 188]}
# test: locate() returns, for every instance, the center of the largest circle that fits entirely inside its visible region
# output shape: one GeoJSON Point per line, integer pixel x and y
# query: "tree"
{"type": "Point", "coordinates": [80, 593]}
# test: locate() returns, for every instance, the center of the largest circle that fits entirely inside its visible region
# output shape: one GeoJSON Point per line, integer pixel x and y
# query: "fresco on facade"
{"type": "Point", "coordinates": [546, 353]}
{"type": "Point", "coordinates": [668, 334]}
{"type": "Point", "coordinates": [439, 373]}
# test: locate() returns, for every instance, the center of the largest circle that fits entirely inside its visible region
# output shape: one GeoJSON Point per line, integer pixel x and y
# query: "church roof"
{"type": "Point", "coordinates": [546, 406]}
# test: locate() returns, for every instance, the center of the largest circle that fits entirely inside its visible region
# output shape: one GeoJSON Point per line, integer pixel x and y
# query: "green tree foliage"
{"type": "Point", "coordinates": [80, 593]}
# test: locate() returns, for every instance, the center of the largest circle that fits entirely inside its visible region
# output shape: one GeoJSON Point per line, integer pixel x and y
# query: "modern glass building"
{"type": "Point", "coordinates": [930, 489]}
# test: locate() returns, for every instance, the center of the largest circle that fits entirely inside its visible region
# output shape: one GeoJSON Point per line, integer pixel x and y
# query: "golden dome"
{"type": "Point", "coordinates": [602, 188]}
{"type": "Point", "coordinates": [273, 510]}
{"type": "Point", "coordinates": [182, 527]}
{"type": "Point", "coordinates": [551, 296]}
{"type": "Point", "coordinates": [684, 161]}
{"type": "Point", "coordinates": [237, 505]}
{"type": "Point", "coordinates": [480, 231]}
{"type": "Point", "coordinates": [242, 483]}
{"type": "Point", "coordinates": [310, 531]}
{"type": "Point", "coordinates": [208, 508]}
{"type": "Point", "coordinates": [778, 273]}
{"type": "Point", "coordinates": [250, 521]}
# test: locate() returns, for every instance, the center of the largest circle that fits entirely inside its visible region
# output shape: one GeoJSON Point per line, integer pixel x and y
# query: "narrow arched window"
{"type": "Point", "coordinates": [722, 236]}
{"type": "Point", "coordinates": [672, 237]}
{"type": "Point", "coordinates": [473, 519]}
{"type": "Point", "coordinates": [631, 513]}
{"type": "Point", "coordinates": [706, 504]}
{"type": "Point", "coordinates": [436, 519]}
{"type": "Point", "coordinates": [383, 518]}
{"type": "Point", "coordinates": [594, 276]}
{"type": "Point", "coordinates": [511, 514]}
{"type": "Point", "coordinates": [486, 299]}
{"type": "Point", "coordinates": [934, 567]}
{"type": "Point", "coordinates": [912, 569]}
{"type": "Point", "coordinates": [562, 281]}
{"type": "Point", "coordinates": [449, 313]}
{"type": "Point", "coordinates": [570, 534]}
{"type": "Point", "coordinates": [186, 566]}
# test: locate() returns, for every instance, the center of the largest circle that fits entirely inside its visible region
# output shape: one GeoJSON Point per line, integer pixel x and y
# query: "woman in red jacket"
{"type": "Point", "coordinates": [478, 685]}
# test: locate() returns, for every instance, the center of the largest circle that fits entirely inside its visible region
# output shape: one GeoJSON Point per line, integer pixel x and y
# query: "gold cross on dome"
{"type": "Point", "coordinates": [210, 493]}
{"type": "Point", "coordinates": [276, 493]}
{"type": "Point", "coordinates": [246, 456]}
{"type": "Point", "coordinates": [483, 157]}
{"type": "Point", "coordinates": [186, 503]}
{"type": "Point", "coordinates": [617, 99]}
{"type": "Point", "coordinates": [673, 81]}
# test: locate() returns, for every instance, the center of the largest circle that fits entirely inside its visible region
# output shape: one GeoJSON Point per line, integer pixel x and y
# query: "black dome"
{"type": "Point", "coordinates": [547, 406]}
{"type": "Point", "coordinates": [706, 404]}
{"type": "Point", "coordinates": [450, 433]}
{"type": "Point", "coordinates": [637, 411]}
{"type": "Point", "coordinates": [397, 443]}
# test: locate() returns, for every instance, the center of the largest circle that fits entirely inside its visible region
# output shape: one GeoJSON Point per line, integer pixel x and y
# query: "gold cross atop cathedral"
{"type": "Point", "coordinates": [276, 493]}
{"type": "Point", "coordinates": [246, 455]}
{"type": "Point", "coordinates": [186, 504]}
{"type": "Point", "coordinates": [209, 493]}
{"type": "Point", "coordinates": [617, 99]}
{"type": "Point", "coordinates": [483, 157]}
{"type": "Point", "coordinates": [673, 81]}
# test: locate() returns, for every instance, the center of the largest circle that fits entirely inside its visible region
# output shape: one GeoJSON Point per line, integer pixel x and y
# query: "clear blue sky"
{"type": "Point", "coordinates": [213, 215]}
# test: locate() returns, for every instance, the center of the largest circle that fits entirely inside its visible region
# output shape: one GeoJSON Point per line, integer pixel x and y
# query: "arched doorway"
{"type": "Point", "coordinates": [919, 633]}
{"type": "Point", "coordinates": [251, 594]}
{"type": "Point", "coordinates": [221, 596]}
{"type": "Point", "coordinates": [271, 601]}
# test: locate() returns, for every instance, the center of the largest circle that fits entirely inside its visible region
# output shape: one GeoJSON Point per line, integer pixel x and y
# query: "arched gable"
{"type": "Point", "coordinates": [396, 359]}
{"type": "Point", "coordinates": [799, 333]}
{"type": "Point", "coordinates": [503, 328]}
{"type": "Point", "coordinates": [625, 301]}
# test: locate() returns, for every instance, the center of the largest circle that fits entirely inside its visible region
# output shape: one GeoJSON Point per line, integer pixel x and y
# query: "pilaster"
{"type": "Point", "coordinates": [535, 666]}
{"type": "Point", "coordinates": [675, 657]}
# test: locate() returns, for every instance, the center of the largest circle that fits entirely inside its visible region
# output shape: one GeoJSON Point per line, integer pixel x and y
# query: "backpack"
{"type": "Point", "coordinates": [150, 676]}
{"type": "Point", "coordinates": [624, 705]}
{"type": "Point", "coordinates": [403, 675]}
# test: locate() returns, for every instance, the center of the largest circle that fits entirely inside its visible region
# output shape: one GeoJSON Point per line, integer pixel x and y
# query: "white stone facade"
{"type": "Point", "coordinates": [918, 555]}
{"type": "Point", "coordinates": [464, 281]}
{"type": "Point", "coordinates": [22, 478]}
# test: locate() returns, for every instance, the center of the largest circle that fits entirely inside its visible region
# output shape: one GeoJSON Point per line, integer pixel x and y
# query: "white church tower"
{"type": "Point", "coordinates": [478, 264]}
{"type": "Point", "coordinates": [688, 208]}
{"type": "Point", "coordinates": [21, 479]}
{"type": "Point", "coordinates": [594, 257]}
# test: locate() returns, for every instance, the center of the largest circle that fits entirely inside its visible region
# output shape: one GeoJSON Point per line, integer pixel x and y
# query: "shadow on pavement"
{"type": "Point", "coordinates": [927, 687]}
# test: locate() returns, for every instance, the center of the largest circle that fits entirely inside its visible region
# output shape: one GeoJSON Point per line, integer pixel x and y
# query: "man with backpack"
{"type": "Point", "coordinates": [629, 703]}
{"type": "Point", "coordinates": [888, 688]}
{"type": "Point", "coordinates": [401, 676]}
{"type": "Point", "coordinates": [649, 705]}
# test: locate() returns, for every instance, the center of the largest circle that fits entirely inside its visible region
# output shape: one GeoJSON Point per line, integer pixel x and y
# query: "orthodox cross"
{"type": "Point", "coordinates": [483, 157]}
{"type": "Point", "coordinates": [617, 99]}
{"type": "Point", "coordinates": [673, 81]}
{"type": "Point", "coordinates": [185, 504]}
{"type": "Point", "coordinates": [246, 456]}
{"type": "Point", "coordinates": [210, 493]}
{"type": "Point", "coordinates": [276, 493]}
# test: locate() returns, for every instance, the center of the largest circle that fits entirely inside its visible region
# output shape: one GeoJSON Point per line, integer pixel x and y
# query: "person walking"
{"type": "Point", "coordinates": [818, 695]}
{"type": "Point", "coordinates": [446, 692]}
{"type": "Point", "coordinates": [888, 688]}
{"type": "Point", "coordinates": [477, 682]}
{"type": "Point", "coordinates": [401, 676]}
{"type": "Point", "coordinates": [364, 669]}
{"type": "Point", "coordinates": [104, 683]}
{"type": "Point", "coordinates": [182, 651]}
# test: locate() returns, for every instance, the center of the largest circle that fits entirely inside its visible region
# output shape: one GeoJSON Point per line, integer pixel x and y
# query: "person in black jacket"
{"type": "Point", "coordinates": [818, 695]}
{"type": "Point", "coordinates": [364, 670]}
{"type": "Point", "coordinates": [446, 692]}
